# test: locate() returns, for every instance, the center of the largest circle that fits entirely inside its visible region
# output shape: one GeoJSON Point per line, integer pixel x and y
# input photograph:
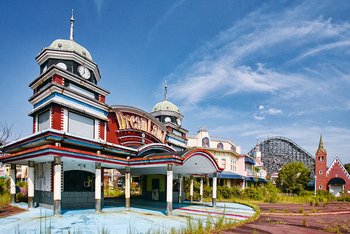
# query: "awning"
{"type": "Point", "coordinates": [230, 175]}
{"type": "Point", "coordinates": [256, 180]}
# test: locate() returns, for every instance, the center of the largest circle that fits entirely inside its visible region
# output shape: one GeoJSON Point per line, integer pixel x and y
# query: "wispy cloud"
{"type": "Point", "coordinates": [164, 18]}
{"type": "Point", "coordinates": [326, 47]}
{"type": "Point", "coordinates": [251, 56]}
{"type": "Point", "coordinates": [288, 66]}
{"type": "Point", "coordinates": [99, 4]}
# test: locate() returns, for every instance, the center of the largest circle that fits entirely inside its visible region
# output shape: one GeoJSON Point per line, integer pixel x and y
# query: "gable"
{"type": "Point", "coordinates": [337, 170]}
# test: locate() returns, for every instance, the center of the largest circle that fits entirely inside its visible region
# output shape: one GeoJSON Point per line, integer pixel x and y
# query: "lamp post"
{"type": "Point", "coordinates": [315, 186]}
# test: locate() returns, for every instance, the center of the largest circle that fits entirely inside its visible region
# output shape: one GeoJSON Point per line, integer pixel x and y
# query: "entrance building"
{"type": "Point", "coordinates": [334, 179]}
{"type": "Point", "coordinates": [77, 135]}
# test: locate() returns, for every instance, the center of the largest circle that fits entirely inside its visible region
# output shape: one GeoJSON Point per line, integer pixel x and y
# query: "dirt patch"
{"type": "Point", "coordinates": [299, 218]}
{"type": "Point", "coordinates": [10, 210]}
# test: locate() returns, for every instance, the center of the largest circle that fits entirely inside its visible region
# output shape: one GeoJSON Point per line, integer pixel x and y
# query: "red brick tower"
{"type": "Point", "coordinates": [321, 166]}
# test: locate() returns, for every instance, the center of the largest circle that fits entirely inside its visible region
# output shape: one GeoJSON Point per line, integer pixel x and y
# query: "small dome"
{"type": "Point", "coordinates": [166, 106]}
{"type": "Point", "coordinates": [69, 45]}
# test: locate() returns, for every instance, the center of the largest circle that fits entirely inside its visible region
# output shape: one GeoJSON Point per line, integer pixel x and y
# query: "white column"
{"type": "Point", "coordinates": [57, 186]}
{"type": "Point", "coordinates": [181, 179]}
{"type": "Point", "coordinates": [191, 189]}
{"type": "Point", "coordinates": [214, 189]}
{"type": "Point", "coordinates": [243, 184]}
{"type": "Point", "coordinates": [201, 190]}
{"type": "Point", "coordinates": [98, 187]}
{"type": "Point", "coordinates": [13, 183]}
{"type": "Point", "coordinates": [127, 187]}
{"type": "Point", "coordinates": [169, 189]}
{"type": "Point", "coordinates": [30, 182]}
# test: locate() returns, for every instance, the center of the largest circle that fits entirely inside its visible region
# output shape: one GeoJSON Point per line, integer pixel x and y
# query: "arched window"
{"type": "Point", "coordinates": [205, 142]}
{"type": "Point", "coordinates": [233, 148]}
{"type": "Point", "coordinates": [220, 146]}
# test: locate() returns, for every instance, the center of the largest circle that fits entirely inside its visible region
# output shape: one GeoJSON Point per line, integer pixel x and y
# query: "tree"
{"type": "Point", "coordinates": [5, 133]}
{"type": "Point", "coordinates": [293, 177]}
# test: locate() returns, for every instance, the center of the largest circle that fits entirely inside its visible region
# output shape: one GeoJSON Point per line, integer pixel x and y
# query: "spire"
{"type": "Point", "coordinates": [166, 91]}
{"type": "Point", "coordinates": [71, 37]}
{"type": "Point", "coordinates": [321, 144]}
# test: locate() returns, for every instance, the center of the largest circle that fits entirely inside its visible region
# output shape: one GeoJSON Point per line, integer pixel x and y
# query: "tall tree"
{"type": "Point", "coordinates": [293, 177]}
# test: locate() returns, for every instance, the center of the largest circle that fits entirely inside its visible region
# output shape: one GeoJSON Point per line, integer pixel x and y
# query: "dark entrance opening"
{"type": "Point", "coordinates": [79, 181]}
{"type": "Point", "coordinates": [79, 190]}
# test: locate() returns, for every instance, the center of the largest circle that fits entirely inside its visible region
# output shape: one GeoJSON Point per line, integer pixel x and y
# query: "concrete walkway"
{"type": "Point", "coordinates": [144, 216]}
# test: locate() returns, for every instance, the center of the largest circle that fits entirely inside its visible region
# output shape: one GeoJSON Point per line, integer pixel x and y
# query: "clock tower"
{"type": "Point", "coordinates": [66, 96]}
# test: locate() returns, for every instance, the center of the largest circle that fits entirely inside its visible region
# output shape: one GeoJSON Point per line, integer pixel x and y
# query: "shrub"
{"type": "Point", "coordinates": [253, 193]}
{"type": "Point", "coordinates": [5, 197]}
{"type": "Point", "coordinates": [270, 193]}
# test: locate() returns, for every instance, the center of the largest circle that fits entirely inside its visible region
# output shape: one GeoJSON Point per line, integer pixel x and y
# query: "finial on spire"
{"type": "Point", "coordinates": [166, 91]}
{"type": "Point", "coordinates": [71, 37]}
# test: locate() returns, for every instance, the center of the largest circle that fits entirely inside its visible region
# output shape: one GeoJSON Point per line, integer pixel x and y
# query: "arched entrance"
{"type": "Point", "coordinates": [336, 186]}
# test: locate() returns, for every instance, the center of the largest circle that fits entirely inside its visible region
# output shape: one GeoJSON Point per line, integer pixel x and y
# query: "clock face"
{"type": "Point", "coordinates": [84, 72]}
{"type": "Point", "coordinates": [167, 119]}
{"type": "Point", "coordinates": [62, 65]}
{"type": "Point", "coordinates": [178, 121]}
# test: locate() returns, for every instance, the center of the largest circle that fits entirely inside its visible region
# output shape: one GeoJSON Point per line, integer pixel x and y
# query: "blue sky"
{"type": "Point", "coordinates": [244, 69]}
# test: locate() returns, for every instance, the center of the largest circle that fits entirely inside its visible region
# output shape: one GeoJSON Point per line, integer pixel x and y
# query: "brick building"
{"type": "Point", "coordinates": [334, 179]}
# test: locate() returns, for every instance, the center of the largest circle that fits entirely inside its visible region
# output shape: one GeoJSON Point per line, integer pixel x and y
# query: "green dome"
{"type": "Point", "coordinates": [166, 106]}
{"type": "Point", "coordinates": [69, 45]}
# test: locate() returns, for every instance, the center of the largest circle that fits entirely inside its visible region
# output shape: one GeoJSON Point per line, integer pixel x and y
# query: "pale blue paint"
{"type": "Point", "coordinates": [115, 219]}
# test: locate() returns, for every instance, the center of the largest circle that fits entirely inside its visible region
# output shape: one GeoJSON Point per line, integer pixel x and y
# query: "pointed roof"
{"type": "Point", "coordinates": [321, 145]}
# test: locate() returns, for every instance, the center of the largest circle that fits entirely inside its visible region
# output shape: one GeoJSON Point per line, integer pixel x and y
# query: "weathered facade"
{"type": "Point", "coordinates": [77, 135]}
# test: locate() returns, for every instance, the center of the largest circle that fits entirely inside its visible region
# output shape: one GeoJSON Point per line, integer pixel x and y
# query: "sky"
{"type": "Point", "coordinates": [245, 69]}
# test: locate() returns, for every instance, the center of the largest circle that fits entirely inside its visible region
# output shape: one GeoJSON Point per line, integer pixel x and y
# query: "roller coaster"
{"type": "Point", "coordinates": [277, 151]}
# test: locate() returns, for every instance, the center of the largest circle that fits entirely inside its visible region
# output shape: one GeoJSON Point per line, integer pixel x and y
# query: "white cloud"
{"type": "Point", "coordinates": [259, 117]}
{"type": "Point", "coordinates": [273, 111]}
{"type": "Point", "coordinates": [326, 47]}
{"type": "Point", "coordinates": [222, 65]}
{"type": "Point", "coordinates": [261, 107]}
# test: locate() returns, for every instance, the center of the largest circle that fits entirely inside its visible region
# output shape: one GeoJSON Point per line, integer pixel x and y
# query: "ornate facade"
{"type": "Point", "coordinates": [77, 135]}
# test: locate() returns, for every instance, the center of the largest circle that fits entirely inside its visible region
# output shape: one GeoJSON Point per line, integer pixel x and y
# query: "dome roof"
{"type": "Point", "coordinates": [166, 106]}
{"type": "Point", "coordinates": [70, 45]}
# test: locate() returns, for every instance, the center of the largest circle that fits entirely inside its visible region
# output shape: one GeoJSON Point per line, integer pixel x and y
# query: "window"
{"type": "Point", "coordinates": [233, 148]}
{"type": "Point", "coordinates": [320, 186]}
{"type": "Point", "coordinates": [223, 163]}
{"type": "Point", "coordinates": [80, 125]}
{"type": "Point", "coordinates": [233, 165]}
{"type": "Point", "coordinates": [205, 142]}
{"type": "Point", "coordinates": [44, 120]}
{"type": "Point", "coordinates": [81, 90]}
{"type": "Point", "coordinates": [220, 146]}
{"type": "Point", "coordinates": [320, 172]}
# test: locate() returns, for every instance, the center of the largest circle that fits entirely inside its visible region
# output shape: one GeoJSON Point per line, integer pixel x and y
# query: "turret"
{"type": "Point", "coordinates": [321, 166]}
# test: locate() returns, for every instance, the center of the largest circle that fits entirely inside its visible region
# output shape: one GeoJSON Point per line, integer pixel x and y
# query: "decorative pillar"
{"type": "Point", "coordinates": [243, 184]}
{"type": "Point", "coordinates": [214, 189]}
{"type": "Point", "coordinates": [169, 189]}
{"type": "Point", "coordinates": [57, 186]}
{"type": "Point", "coordinates": [201, 190]}
{"type": "Point", "coordinates": [127, 187]}
{"type": "Point", "coordinates": [191, 189]}
{"type": "Point", "coordinates": [181, 179]}
{"type": "Point", "coordinates": [13, 183]}
{"type": "Point", "coordinates": [98, 187]}
{"type": "Point", "coordinates": [30, 182]}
